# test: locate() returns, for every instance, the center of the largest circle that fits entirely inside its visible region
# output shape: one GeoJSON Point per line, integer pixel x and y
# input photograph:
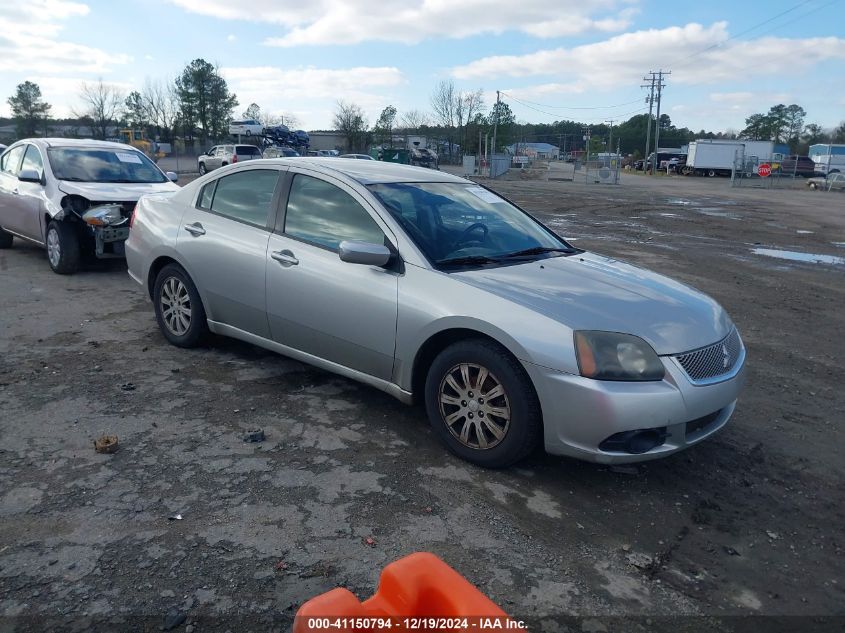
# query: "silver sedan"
{"type": "Point", "coordinates": [437, 290]}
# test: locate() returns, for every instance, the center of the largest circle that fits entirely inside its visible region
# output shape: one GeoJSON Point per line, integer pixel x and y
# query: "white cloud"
{"type": "Point", "coordinates": [412, 21]}
{"type": "Point", "coordinates": [32, 40]}
{"type": "Point", "coordinates": [231, 38]}
{"type": "Point", "coordinates": [310, 93]}
{"type": "Point", "coordinates": [696, 55]}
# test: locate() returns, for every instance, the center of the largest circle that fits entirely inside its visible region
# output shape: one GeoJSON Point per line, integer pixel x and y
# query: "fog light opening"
{"type": "Point", "coordinates": [634, 442]}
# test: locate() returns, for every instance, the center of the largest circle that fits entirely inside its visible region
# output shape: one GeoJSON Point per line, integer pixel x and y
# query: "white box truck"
{"type": "Point", "coordinates": [712, 159]}
{"type": "Point", "coordinates": [828, 157]}
{"type": "Point", "coordinates": [717, 157]}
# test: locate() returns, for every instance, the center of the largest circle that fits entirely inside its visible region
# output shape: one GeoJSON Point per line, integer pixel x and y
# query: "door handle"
{"type": "Point", "coordinates": [15, 191]}
{"type": "Point", "coordinates": [195, 229]}
{"type": "Point", "coordinates": [285, 258]}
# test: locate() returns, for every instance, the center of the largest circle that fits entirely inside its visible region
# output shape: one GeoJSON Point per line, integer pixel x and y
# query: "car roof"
{"type": "Point", "coordinates": [78, 142]}
{"type": "Point", "coordinates": [369, 172]}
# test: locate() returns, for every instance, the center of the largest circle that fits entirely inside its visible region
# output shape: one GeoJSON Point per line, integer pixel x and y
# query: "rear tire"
{"type": "Point", "coordinates": [482, 404]}
{"type": "Point", "coordinates": [178, 307]}
{"type": "Point", "coordinates": [62, 247]}
{"type": "Point", "coordinates": [6, 239]}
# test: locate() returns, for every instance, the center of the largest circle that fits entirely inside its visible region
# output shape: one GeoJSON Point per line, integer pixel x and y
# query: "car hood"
{"type": "Point", "coordinates": [590, 292]}
{"type": "Point", "coordinates": [116, 191]}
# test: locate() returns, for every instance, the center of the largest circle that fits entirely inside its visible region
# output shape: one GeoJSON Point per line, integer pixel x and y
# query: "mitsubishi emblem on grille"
{"type": "Point", "coordinates": [726, 357]}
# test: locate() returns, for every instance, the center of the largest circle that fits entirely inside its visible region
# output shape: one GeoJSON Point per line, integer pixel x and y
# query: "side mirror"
{"type": "Point", "coordinates": [172, 176]}
{"type": "Point", "coordinates": [364, 253]}
{"type": "Point", "coordinates": [29, 175]}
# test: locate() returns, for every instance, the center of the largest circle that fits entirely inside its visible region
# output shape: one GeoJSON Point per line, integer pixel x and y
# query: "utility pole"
{"type": "Point", "coordinates": [610, 137]}
{"type": "Point", "coordinates": [660, 86]}
{"type": "Point", "coordinates": [495, 129]}
{"type": "Point", "coordinates": [650, 101]}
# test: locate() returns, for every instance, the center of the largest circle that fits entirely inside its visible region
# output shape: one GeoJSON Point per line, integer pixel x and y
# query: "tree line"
{"type": "Point", "coordinates": [197, 104]}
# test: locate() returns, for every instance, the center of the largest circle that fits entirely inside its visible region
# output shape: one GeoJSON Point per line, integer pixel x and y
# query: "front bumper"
{"type": "Point", "coordinates": [109, 242]}
{"type": "Point", "coordinates": [580, 413]}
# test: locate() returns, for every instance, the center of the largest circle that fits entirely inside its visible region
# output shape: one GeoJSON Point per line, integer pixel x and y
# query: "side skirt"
{"type": "Point", "coordinates": [382, 385]}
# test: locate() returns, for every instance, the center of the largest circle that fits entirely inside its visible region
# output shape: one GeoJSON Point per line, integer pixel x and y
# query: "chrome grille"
{"type": "Point", "coordinates": [714, 360]}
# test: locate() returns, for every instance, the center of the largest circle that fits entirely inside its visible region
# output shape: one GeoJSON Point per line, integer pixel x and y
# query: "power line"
{"type": "Point", "coordinates": [526, 102]}
{"type": "Point", "coordinates": [553, 114]}
{"type": "Point", "coordinates": [687, 60]}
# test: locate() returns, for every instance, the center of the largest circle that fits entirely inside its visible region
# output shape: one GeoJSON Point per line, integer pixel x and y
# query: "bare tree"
{"type": "Point", "coordinates": [413, 120]}
{"type": "Point", "coordinates": [454, 109]}
{"type": "Point", "coordinates": [350, 120]}
{"type": "Point", "coordinates": [162, 105]}
{"type": "Point", "coordinates": [102, 104]}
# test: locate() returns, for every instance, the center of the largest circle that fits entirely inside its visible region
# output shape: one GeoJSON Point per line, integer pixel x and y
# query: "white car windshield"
{"type": "Point", "coordinates": [86, 164]}
{"type": "Point", "coordinates": [458, 224]}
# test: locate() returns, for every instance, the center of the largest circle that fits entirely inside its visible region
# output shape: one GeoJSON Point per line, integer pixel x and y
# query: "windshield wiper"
{"type": "Point", "coordinates": [538, 250]}
{"type": "Point", "coordinates": [467, 260]}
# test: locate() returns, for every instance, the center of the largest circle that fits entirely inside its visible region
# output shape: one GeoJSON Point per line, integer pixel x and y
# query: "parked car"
{"type": "Point", "coordinates": [677, 163]}
{"type": "Point", "coordinates": [278, 152]}
{"type": "Point", "coordinates": [246, 127]}
{"type": "Point", "coordinates": [423, 157]}
{"type": "Point", "coordinates": [834, 182]}
{"type": "Point", "coordinates": [358, 156]}
{"type": "Point", "coordinates": [797, 165]}
{"type": "Point", "coordinates": [74, 197]}
{"type": "Point", "coordinates": [436, 290]}
{"type": "Point", "coordinates": [222, 155]}
{"type": "Point", "coordinates": [326, 153]}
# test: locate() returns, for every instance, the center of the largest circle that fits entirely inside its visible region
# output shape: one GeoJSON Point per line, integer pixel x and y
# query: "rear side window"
{"type": "Point", "coordinates": [248, 150]}
{"type": "Point", "coordinates": [245, 196]}
{"type": "Point", "coordinates": [11, 161]}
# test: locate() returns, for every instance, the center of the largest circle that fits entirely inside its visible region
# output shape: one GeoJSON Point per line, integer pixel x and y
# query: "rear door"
{"type": "Point", "coordinates": [223, 240]}
{"type": "Point", "coordinates": [316, 303]}
{"type": "Point", "coordinates": [11, 205]}
{"type": "Point", "coordinates": [32, 197]}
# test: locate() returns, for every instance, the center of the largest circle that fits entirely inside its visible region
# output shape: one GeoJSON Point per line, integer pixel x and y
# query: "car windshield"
{"type": "Point", "coordinates": [86, 164]}
{"type": "Point", "coordinates": [462, 224]}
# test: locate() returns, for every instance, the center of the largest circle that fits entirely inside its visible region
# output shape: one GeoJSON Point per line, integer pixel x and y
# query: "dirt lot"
{"type": "Point", "coordinates": [749, 522]}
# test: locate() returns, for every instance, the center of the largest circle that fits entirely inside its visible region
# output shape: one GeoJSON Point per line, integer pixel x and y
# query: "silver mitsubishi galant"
{"type": "Point", "coordinates": [437, 290]}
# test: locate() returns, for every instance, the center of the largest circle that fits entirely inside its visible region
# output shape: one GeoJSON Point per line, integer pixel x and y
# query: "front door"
{"type": "Point", "coordinates": [223, 240]}
{"type": "Point", "coordinates": [316, 303]}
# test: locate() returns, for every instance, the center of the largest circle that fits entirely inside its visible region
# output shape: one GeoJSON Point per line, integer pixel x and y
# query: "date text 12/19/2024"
{"type": "Point", "coordinates": [413, 624]}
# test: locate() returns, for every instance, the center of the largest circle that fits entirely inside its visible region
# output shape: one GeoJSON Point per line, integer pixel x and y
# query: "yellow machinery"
{"type": "Point", "coordinates": [139, 140]}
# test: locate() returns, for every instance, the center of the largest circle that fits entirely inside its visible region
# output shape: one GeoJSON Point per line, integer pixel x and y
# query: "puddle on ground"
{"type": "Point", "coordinates": [670, 215]}
{"type": "Point", "coordinates": [797, 256]}
{"type": "Point", "coordinates": [678, 201]}
{"type": "Point", "coordinates": [716, 212]}
{"type": "Point", "coordinates": [839, 244]}
{"type": "Point", "coordinates": [800, 232]}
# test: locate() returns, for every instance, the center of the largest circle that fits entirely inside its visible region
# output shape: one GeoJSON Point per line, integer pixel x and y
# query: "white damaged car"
{"type": "Point", "coordinates": [74, 197]}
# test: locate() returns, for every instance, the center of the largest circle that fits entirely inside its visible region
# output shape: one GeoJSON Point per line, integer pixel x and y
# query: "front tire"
{"type": "Point", "coordinates": [482, 405]}
{"type": "Point", "coordinates": [178, 307]}
{"type": "Point", "coordinates": [62, 247]}
{"type": "Point", "coordinates": [203, 169]}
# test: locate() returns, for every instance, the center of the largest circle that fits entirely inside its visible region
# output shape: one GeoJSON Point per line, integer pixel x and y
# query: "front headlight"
{"type": "Point", "coordinates": [615, 356]}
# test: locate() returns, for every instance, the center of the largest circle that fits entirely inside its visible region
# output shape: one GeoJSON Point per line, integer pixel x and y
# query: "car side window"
{"type": "Point", "coordinates": [32, 160]}
{"type": "Point", "coordinates": [12, 160]}
{"type": "Point", "coordinates": [206, 195]}
{"type": "Point", "coordinates": [246, 196]}
{"type": "Point", "coordinates": [321, 213]}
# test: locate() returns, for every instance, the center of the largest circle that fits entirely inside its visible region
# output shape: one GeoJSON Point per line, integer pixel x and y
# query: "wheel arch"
{"type": "Point", "coordinates": [440, 340]}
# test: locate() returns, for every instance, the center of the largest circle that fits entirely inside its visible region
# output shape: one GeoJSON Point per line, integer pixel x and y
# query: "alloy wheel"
{"type": "Point", "coordinates": [474, 406]}
{"type": "Point", "coordinates": [175, 303]}
{"type": "Point", "coordinates": [54, 248]}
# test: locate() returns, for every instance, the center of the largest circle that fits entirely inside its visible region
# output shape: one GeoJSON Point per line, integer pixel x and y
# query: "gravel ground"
{"type": "Point", "coordinates": [748, 523]}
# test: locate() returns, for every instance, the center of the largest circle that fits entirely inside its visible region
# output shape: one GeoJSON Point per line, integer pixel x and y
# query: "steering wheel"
{"type": "Point", "coordinates": [472, 227]}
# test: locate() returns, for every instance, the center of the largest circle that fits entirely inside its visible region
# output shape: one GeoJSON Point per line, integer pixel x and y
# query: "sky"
{"type": "Point", "coordinates": [582, 60]}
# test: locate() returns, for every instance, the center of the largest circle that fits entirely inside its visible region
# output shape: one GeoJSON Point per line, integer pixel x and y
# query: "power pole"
{"type": "Point", "coordinates": [650, 100]}
{"type": "Point", "coordinates": [495, 129]}
{"type": "Point", "coordinates": [660, 86]}
{"type": "Point", "coordinates": [610, 137]}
